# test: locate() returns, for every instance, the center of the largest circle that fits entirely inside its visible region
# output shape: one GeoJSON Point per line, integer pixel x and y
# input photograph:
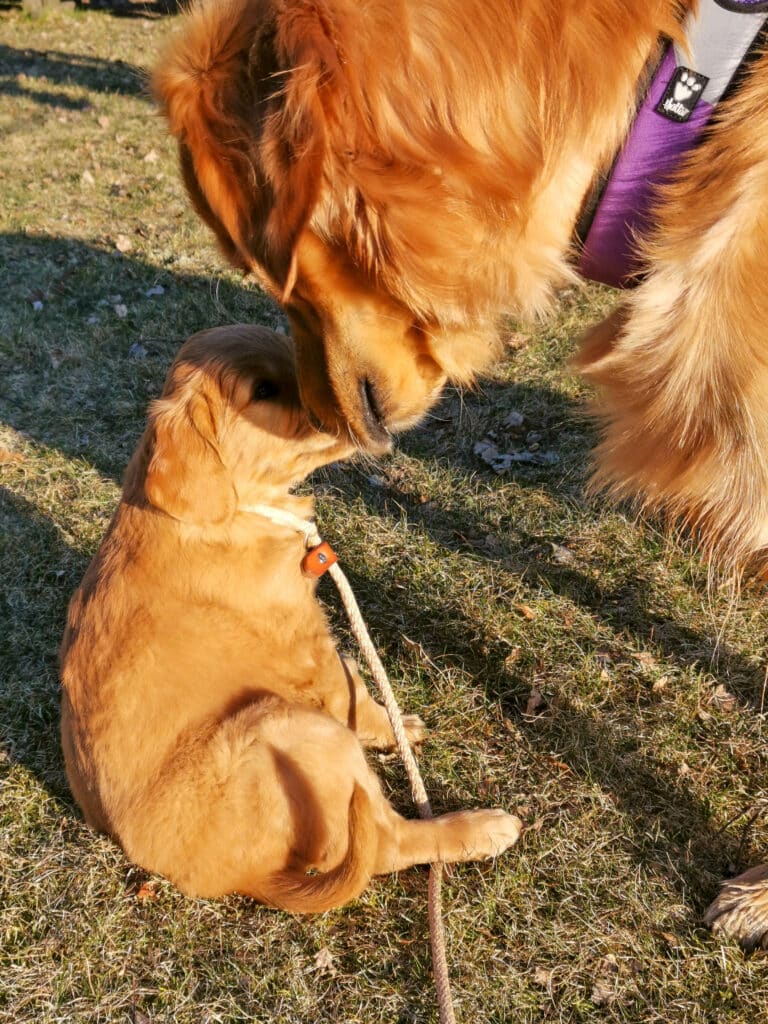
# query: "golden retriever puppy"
{"type": "Point", "coordinates": [399, 172]}
{"type": "Point", "coordinates": [208, 722]}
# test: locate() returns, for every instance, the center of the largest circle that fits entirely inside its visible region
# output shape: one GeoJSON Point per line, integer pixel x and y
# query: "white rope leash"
{"type": "Point", "coordinates": [436, 930]}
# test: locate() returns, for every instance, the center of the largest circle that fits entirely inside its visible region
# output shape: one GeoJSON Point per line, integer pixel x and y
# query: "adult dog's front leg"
{"type": "Point", "coordinates": [741, 908]}
{"type": "Point", "coordinates": [683, 367]}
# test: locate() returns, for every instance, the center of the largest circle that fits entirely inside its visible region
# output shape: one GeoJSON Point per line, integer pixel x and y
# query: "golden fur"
{"type": "Point", "coordinates": [399, 172]}
{"type": "Point", "coordinates": [208, 722]}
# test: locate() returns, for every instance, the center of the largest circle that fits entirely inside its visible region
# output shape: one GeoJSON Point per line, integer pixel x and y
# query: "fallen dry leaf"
{"type": "Point", "coordinates": [324, 961]}
{"type": "Point", "coordinates": [534, 703]}
{"type": "Point", "coordinates": [514, 419]}
{"type": "Point", "coordinates": [603, 993]}
{"type": "Point", "coordinates": [7, 457]}
{"type": "Point", "coordinates": [604, 990]}
{"type": "Point", "coordinates": [723, 699]}
{"type": "Point", "coordinates": [526, 611]}
{"type": "Point", "coordinates": [562, 555]}
{"type": "Point", "coordinates": [148, 891]}
{"type": "Point", "coordinates": [541, 976]}
{"type": "Point", "coordinates": [512, 657]}
{"type": "Point", "coordinates": [646, 659]}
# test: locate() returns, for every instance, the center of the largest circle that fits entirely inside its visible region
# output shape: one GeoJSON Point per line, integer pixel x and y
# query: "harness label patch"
{"type": "Point", "coordinates": [681, 95]}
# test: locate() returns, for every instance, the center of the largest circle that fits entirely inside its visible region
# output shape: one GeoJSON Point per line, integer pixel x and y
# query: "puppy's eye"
{"type": "Point", "coordinates": [265, 389]}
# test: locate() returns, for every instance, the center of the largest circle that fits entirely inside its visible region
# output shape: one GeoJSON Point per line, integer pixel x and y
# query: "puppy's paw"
{"type": "Point", "coordinates": [484, 833]}
{"type": "Point", "coordinates": [496, 831]}
{"type": "Point", "coordinates": [415, 729]}
{"type": "Point", "coordinates": [383, 739]}
{"type": "Point", "coordinates": [741, 909]}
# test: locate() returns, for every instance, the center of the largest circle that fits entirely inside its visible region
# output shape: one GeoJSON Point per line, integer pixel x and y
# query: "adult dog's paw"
{"type": "Point", "coordinates": [741, 909]}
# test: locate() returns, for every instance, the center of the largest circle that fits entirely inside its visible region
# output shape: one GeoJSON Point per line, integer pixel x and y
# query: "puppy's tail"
{"type": "Point", "coordinates": [313, 894]}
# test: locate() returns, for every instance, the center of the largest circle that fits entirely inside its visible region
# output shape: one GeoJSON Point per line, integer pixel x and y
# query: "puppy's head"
{"type": "Point", "coordinates": [229, 429]}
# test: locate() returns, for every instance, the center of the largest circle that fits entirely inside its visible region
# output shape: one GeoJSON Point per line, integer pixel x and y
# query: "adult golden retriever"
{"type": "Point", "coordinates": [399, 172]}
{"type": "Point", "coordinates": [208, 722]}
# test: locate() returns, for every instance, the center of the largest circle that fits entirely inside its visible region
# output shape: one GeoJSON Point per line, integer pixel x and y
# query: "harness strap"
{"type": "Point", "coordinates": [679, 102]}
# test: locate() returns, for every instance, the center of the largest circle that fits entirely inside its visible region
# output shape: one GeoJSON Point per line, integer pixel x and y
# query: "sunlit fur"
{"type": "Point", "coordinates": [400, 172]}
{"type": "Point", "coordinates": [683, 367]}
{"type": "Point", "coordinates": [208, 722]}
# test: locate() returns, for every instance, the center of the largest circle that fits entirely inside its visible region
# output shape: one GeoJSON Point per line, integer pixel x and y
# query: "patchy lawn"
{"type": "Point", "coordinates": [571, 662]}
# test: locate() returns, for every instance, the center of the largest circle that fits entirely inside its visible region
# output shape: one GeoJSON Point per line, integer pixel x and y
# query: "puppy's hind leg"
{"type": "Point", "coordinates": [455, 837]}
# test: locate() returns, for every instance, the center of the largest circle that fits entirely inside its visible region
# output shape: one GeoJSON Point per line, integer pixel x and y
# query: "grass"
{"type": "Point", "coordinates": [641, 774]}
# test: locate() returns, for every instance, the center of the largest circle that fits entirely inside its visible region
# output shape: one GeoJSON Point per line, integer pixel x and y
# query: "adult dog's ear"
{"type": "Point", "coordinates": [314, 98]}
{"type": "Point", "coordinates": [185, 476]}
{"type": "Point", "coordinates": [252, 92]}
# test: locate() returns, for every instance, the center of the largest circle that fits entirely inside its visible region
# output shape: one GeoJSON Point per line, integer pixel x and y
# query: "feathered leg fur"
{"type": "Point", "coordinates": [683, 365]}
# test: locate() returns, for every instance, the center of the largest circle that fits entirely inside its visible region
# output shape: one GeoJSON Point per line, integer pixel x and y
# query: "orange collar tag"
{"type": "Point", "coordinates": [318, 560]}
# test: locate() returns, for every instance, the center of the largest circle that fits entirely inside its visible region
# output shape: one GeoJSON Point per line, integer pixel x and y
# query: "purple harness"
{"type": "Point", "coordinates": [677, 106]}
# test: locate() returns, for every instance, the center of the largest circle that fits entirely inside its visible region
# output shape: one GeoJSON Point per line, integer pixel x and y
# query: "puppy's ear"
{"type": "Point", "coordinates": [185, 476]}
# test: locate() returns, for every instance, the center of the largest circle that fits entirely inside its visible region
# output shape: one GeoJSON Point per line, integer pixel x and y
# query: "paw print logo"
{"type": "Point", "coordinates": [682, 95]}
{"type": "Point", "coordinates": [686, 86]}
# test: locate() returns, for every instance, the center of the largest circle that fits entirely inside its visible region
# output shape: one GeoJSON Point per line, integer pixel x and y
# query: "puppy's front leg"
{"type": "Point", "coordinates": [370, 720]}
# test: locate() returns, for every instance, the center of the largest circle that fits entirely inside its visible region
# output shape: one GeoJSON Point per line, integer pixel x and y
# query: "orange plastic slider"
{"type": "Point", "coordinates": [319, 560]}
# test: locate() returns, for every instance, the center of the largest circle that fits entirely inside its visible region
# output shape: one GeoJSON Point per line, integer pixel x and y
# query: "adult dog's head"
{"type": "Point", "coordinates": [229, 429]}
{"type": "Point", "coordinates": [369, 165]}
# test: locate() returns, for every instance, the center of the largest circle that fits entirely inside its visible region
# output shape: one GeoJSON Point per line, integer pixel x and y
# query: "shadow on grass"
{"type": "Point", "coordinates": [97, 75]}
{"type": "Point", "coordinates": [71, 378]}
{"type": "Point", "coordinates": [38, 572]}
{"type": "Point", "coordinates": [75, 375]}
{"type": "Point", "coordinates": [625, 606]}
{"type": "Point", "coordinates": [669, 830]}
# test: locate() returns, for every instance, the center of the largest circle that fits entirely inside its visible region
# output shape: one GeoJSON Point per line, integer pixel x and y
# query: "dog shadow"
{"type": "Point", "coordinates": [77, 376]}
{"type": "Point", "coordinates": [668, 829]}
{"type": "Point", "coordinates": [18, 65]}
{"type": "Point", "coordinates": [561, 428]}
{"type": "Point", "coordinates": [35, 592]}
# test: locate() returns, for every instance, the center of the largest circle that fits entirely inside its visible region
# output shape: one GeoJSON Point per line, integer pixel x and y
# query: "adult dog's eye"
{"type": "Point", "coordinates": [265, 389]}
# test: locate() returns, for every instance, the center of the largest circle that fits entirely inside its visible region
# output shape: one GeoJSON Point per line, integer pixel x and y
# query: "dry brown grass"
{"type": "Point", "coordinates": [642, 774]}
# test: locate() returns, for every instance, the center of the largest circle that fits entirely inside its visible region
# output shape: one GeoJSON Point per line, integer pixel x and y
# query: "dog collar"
{"type": "Point", "coordinates": [680, 100]}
